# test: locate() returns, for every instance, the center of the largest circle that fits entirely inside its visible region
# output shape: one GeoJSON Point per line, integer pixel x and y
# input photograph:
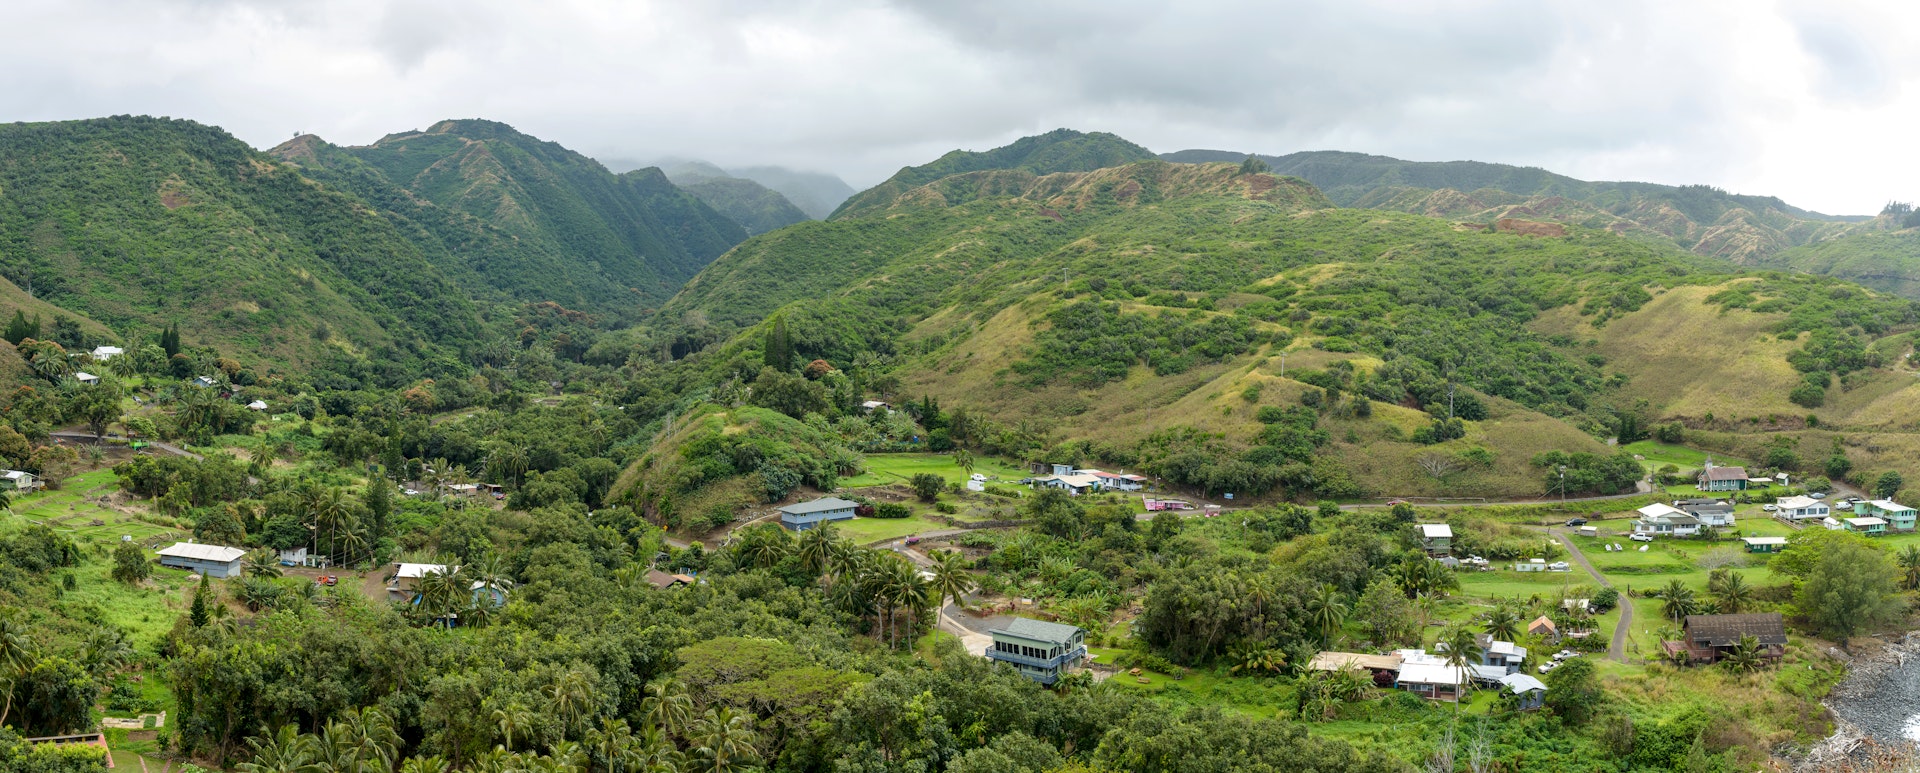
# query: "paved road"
{"type": "Point", "coordinates": [1618, 649]}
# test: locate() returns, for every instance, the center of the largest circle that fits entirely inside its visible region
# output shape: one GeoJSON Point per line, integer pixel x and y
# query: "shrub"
{"type": "Point", "coordinates": [927, 486]}
{"type": "Point", "coordinates": [891, 510]}
{"type": "Point", "coordinates": [947, 507]}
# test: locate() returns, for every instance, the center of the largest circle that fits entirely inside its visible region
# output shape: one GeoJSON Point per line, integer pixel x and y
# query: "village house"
{"type": "Point", "coordinates": [806, 515]}
{"type": "Point", "coordinates": [294, 557]}
{"type": "Point", "coordinates": [257, 405]}
{"type": "Point", "coordinates": [1707, 638]}
{"type": "Point", "coordinates": [1722, 478]}
{"type": "Point", "coordinates": [1765, 544]}
{"type": "Point", "coordinates": [1710, 512]}
{"type": "Point", "coordinates": [202, 381]}
{"type": "Point", "coordinates": [1801, 509]}
{"type": "Point", "coordinates": [85, 377]}
{"type": "Point", "coordinates": [1049, 468]}
{"type": "Point", "coordinates": [18, 480]}
{"type": "Point", "coordinates": [1529, 693]}
{"type": "Point", "coordinates": [211, 560]}
{"type": "Point", "coordinates": [104, 353]}
{"type": "Point", "coordinates": [1040, 650]}
{"type": "Point", "coordinates": [875, 405]}
{"type": "Point", "coordinates": [1111, 481]}
{"type": "Point", "coordinates": [1073, 484]}
{"type": "Point", "coordinates": [1899, 517]}
{"type": "Point", "coordinates": [1544, 628]}
{"type": "Point", "coordinates": [406, 577]}
{"type": "Point", "coordinates": [1436, 538]}
{"type": "Point", "coordinates": [663, 580]}
{"type": "Point", "coordinates": [1503, 657]}
{"type": "Point", "coordinates": [1382, 669]}
{"type": "Point", "coordinates": [1869, 526]}
{"type": "Point", "coordinates": [1665, 521]}
{"type": "Point", "coordinates": [1429, 676]}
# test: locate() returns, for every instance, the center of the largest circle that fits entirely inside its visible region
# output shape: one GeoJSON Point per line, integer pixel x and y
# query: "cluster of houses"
{"type": "Point", "coordinates": [1683, 518]}
{"type": "Point", "coordinates": [1076, 481]}
{"type": "Point", "coordinates": [1430, 676]}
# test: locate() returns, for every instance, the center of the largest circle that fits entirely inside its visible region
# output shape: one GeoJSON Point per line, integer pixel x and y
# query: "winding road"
{"type": "Point", "coordinates": [1617, 651]}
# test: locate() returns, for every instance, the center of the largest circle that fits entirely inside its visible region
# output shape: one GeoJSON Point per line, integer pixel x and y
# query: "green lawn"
{"type": "Point", "coordinates": [1687, 459]}
{"type": "Point", "coordinates": [865, 530]}
{"type": "Point", "coordinates": [884, 469]}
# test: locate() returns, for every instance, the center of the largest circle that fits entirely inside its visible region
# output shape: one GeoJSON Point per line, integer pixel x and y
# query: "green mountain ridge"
{"type": "Point", "coordinates": [757, 208]}
{"type": "Point", "coordinates": [1060, 150]}
{"type": "Point", "coordinates": [573, 231]}
{"type": "Point", "coordinates": [1708, 221]}
{"type": "Point", "coordinates": [140, 222]}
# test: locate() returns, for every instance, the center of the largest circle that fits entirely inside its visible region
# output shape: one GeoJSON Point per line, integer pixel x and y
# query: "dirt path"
{"type": "Point", "coordinates": [1617, 651]}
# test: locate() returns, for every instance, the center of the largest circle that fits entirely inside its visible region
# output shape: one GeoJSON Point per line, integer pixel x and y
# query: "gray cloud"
{"type": "Point", "coordinates": [1728, 93]}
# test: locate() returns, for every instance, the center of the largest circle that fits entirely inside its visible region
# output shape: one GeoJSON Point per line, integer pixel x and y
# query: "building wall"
{"type": "Point", "coordinates": [208, 568]}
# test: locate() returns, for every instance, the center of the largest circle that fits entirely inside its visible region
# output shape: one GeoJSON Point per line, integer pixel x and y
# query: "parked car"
{"type": "Point", "coordinates": [1392, 502]}
{"type": "Point", "coordinates": [1770, 508]}
{"type": "Point", "coordinates": [1854, 500]}
{"type": "Point", "coordinates": [913, 540]}
{"type": "Point", "coordinates": [1545, 667]}
{"type": "Point", "coordinates": [1818, 495]}
{"type": "Point", "coordinates": [1559, 566]}
{"type": "Point", "coordinates": [1641, 537]}
{"type": "Point", "coordinates": [1576, 521]}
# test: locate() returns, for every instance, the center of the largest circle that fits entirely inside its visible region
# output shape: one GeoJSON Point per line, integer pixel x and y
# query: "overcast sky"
{"type": "Point", "coordinates": [1815, 102]}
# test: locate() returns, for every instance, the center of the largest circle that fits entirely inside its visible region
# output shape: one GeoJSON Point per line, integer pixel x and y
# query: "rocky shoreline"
{"type": "Point", "coordinates": [1877, 702]}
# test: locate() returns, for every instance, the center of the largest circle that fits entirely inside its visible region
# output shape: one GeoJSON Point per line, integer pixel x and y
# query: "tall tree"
{"type": "Point", "coordinates": [1328, 611]}
{"type": "Point", "coordinates": [1851, 589]}
{"type": "Point", "coordinates": [779, 346]}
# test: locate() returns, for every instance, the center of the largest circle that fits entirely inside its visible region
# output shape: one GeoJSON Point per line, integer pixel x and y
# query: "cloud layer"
{"type": "Point", "coordinates": [1810, 102]}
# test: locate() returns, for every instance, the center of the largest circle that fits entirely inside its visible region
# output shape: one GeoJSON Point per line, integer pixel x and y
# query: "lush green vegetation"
{"type": "Point", "coordinates": [1060, 150]}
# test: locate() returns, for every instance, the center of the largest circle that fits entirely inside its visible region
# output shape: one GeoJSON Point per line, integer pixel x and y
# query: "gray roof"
{"type": "Point", "coordinates": [203, 552]}
{"type": "Point", "coordinates": [820, 505]}
{"type": "Point", "coordinates": [1520, 683]}
{"type": "Point", "coordinates": [1038, 630]}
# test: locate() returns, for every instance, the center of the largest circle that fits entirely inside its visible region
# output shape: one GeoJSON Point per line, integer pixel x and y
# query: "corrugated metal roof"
{"type": "Point", "coordinates": [1039, 630]}
{"type": "Point", "coordinates": [821, 505]}
{"type": "Point", "coordinates": [1520, 683]}
{"type": "Point", "coordinates": [417, 571]}
{"type": "Point", "coordinates": [1436, 530]}
{"type": "Point", "coordinates": [196, 551]}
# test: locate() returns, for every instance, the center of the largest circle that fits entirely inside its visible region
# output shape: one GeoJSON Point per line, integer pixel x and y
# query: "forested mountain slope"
{"type": "Point", "coordinates": [1702, 219]}
{"type": "Point", "coordinates": [1060, 150]}
{"type": "Point", "coordinates": [141, 222]}
{"type": "Point", "coordinates": [757, 208]}
{"type": "Point", "coordinates": [547, 223]}
{"type": "Point", "coordinates": [815, 193]}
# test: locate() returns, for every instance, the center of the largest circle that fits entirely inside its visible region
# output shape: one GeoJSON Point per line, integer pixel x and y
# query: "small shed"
{"type": "Point", "coordinates": [1529, 693]}
{"type": "Point", "coordinates": [85, 377]}
{"type": "Point", "coordinates": [1765, 544]}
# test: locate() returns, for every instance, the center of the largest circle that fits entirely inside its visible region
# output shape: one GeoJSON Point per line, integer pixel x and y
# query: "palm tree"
{"type": "Point", "coordinates": [667, 706]}
{"type": "Point", "coordinates": [512, 719]}
{"type": "Point", "coordinates": [365, 739]}
{"type": "Point", "coordinates": [654, 753]}
{"type": "Point", "coordinates": [329, 510]}
{"type": "Point", "coordinates": [816, 547]}
{"type": "Point", "coordinates": [963, 459]}
{"type": "Point", "coordinates": [723, 742]}
{"type": "Point", "coordinates": [764, 545]}
{"type": "Point", "coordinates": [1463, 650]}
{"type": "Point", "coordinates": [612, 742]}
{"type": "Point", "coordinates": [571, 696]}
{"type": "Point", "coordinates": [17, 654]}
{"type": "Point", "coordinates": [433, 764]}
{"type": "Point", "coordinates": [950, 577]}
{"type": "Point", "coordinates": [1744, 656]}
{"type": "Point", "coordinates": [1910, 562]}
{"type": "Point", "coordinates": [1503, 622]}
{"type": "Point", "coordinates": [263, 564]}
{"type": "Point", "coordinates": [285, 751]}
{"type": "Point", "coordinates": [1732, 593]}
{"type": "Point", "coordinates": [1327, 612]}
{"type": "Point", "coordinates": [1679, 601]}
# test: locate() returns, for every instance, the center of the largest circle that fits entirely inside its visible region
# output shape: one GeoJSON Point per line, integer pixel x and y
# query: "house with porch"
{"type": "Point", "coordinates": [1710, 512]}
{"type": "Point", "coordinates": [1707, 638]}
{"type": "Point", "coordinates": [104, 353]}
{"type": "Point", "coordinates": [1429, 676]}
{"type": "Point", "coordinates": [1074, 484]}
{"type": "Point", "coordinates": [1665, 521]}
{"type": "Point", "coordinates": [1039, 650]}
{"type": "Point", "coordinates": [1801, 509]}
{"type": "Point", "coordinates": [1713, 478]}
{"type": "Point", "coordinates": [1503, 657]}
{"type": "Point", "coordinates": [1899, 517]}
{"type": "Point", "coordinates": [802, 516]}
{"type": "Point", "coordinates": [1765, 544]}
{"type": "Point", "coordinates": [1112, 481]}
{"type": "Point", "coordinates": [18, 480]}
{"type": "Point", "coordinates": [1436, 538]}
{"type": "Point", "coordinates": [1869, 526]}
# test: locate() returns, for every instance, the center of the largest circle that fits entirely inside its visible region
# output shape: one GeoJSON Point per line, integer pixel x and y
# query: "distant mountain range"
{"type": "Point", "coordinates": [815, 194]}
{"type": "Point", "coordinates": [1747, 230]}
{"type": "Point", "coordinates": [1060, 150]}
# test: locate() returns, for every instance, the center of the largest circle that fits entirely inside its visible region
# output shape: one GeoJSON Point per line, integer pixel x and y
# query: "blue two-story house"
{"type": "Point", "coordinates": [806, 515]}
{"type": "Point", "coordinates": [1042, 651]}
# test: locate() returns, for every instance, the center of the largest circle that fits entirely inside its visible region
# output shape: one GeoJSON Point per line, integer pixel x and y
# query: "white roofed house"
{"type": "Point", "coordinates": [1665, 521]}
{"type": "Point", "coordinates": [17, 480]}
{"type": "Point", "coordinates": [1801, 509]}
{"type": "Point", "coordinates": [1429, 676]}
{"type": "Point", "coordinates": [1073, 484]}
{"type": "Point", "coordinates": [1436, 538]}
{"type": "Point", "coordinates": [211, 560]}
{"type": "Point", "coordinates": [85, 377]}
{"type": "Point", "coordinates": [1710, 512]}
{"type": "Point", "coordinates": [1112, 481]}
{"type": "Point", "coordinates": [406, 576]}
{"type": "Point", "coordinates": [104, 353]}
{"type": "Point", "coordinates": [1497, 658]}
{"type": "Point", "coordinates": [257, 405]}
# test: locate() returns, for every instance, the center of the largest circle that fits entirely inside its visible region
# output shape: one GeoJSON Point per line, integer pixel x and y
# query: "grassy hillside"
{"type": "Point", "coordinates": [540, 221]}
{"type": "Point", "coordinates": [714, 460]}
{"type": "Point", "coordinates": [1888, 261]}
{"type": "Point", "coordinates": [1061, 150]}
{"type": "Point", "coordinates": [138, 222]}
{"type": "Point", "coordinates": [1702, 219]}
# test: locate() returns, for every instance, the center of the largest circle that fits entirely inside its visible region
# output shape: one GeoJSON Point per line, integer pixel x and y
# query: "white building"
{"type": "Point", "coordinates": [1802, 509]}
{"type": "Point", "coordinates": [1665, 521]}
{"type": "Point", "coordinates": [104, 353]}
{"type": "Point", "coordinates": [211, 560]}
